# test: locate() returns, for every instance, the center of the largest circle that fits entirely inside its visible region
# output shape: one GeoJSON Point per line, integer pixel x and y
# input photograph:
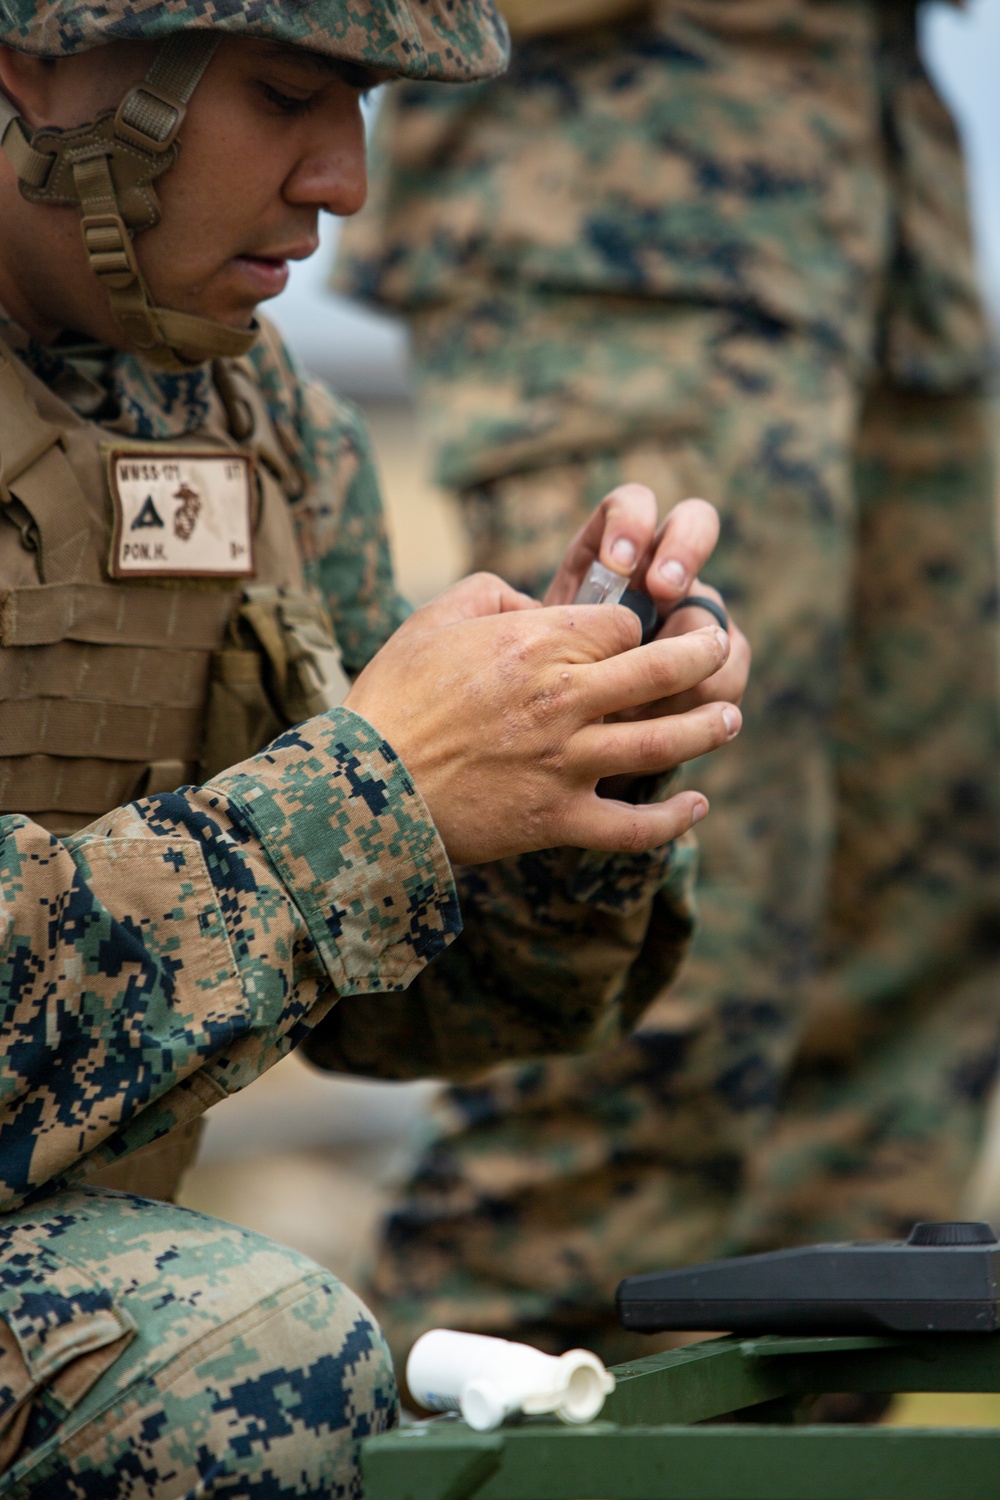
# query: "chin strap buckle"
{"type": "Point", "coordinates": [108, 168]}
{"type": "Point", "coordinates": [153, 112]}
{"type": "Point", "coordinates": [109, 249]}
{"type": "Point", "coordinates": [150, 119]}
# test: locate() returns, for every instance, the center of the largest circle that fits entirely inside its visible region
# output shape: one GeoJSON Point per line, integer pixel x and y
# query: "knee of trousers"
{"type": "Point", "coordinates": [192, 1356]}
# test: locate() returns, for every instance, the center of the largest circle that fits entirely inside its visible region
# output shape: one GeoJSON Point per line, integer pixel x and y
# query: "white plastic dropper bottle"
{"type": "Point", "coordinates": [488, 1379]}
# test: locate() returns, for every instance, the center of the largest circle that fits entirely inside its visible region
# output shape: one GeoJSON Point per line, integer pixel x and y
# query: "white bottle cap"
{"type": "Point", "coordinates": [482, 1405]}
{"type": "Point", "coordinates": [588, 1383]}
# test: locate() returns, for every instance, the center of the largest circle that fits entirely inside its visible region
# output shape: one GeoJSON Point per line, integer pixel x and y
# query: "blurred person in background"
{"type": "Point", "coordinates": [721, 247]}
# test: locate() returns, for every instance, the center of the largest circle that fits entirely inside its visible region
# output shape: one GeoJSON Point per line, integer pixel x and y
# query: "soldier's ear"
{"type": "Point", "coordinates": [28, 83]}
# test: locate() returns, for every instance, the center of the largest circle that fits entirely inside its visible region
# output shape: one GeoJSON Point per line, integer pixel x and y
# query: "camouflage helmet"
{"type": "Point", "coordinates": [106, 167]}
{"type": "Point", "coordinates": [449, 40]}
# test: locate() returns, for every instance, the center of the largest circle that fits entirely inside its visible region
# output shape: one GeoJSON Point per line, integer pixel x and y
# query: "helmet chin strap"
{"type": "Point", "coordinates": [106, 169]}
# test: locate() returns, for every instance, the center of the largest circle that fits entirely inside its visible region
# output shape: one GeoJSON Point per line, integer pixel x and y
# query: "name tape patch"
{"type": "Point", "coordinates": [181, 515]}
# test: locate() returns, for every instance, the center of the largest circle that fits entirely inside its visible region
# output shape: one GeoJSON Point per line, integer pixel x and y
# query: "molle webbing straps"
{"type": "Point", "coordinates": [103, 689]}
{"type": "Point", "coordinates": [70, 792]}
{"type": "Point", "coordinates": [113, 689]}
{"type": "Point", "coordinates": [66, 793]}
{"type": "Point", "coordinates": [91, 729]}
{"type": "Point", "coordinates": [42, 614]}
{"type": "Point", "coordinates": [159, 676]}
{"type": "Point", "coordinates": [106, 168]}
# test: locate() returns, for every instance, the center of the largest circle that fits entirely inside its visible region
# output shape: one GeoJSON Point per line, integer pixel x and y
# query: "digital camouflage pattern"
{"type": "Point", "coordinates": [724, 251]}
{"type": "Point", "coordinates": [683, 156]}
{"type": "Point", "coordinates": [231, 910]}
{"type": "Point", "coordinates": [168, 954]}
{"type": "Point", "coordinates": [440, 39]}
{"type": "Point", "coordinates": [147, 1350]}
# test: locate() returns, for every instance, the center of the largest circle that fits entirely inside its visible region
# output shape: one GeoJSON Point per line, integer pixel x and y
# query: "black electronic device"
{"type": "Point", "coordinates": [944, 1279]}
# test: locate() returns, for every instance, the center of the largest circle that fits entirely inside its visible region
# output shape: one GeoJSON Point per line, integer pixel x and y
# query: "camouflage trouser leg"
{"type": "Point", "coordinates": [147, 1351]}
{"type": "Point", "coordinates": [851, 852]}
{"type": "Point", "coordinates": [882, 1115]}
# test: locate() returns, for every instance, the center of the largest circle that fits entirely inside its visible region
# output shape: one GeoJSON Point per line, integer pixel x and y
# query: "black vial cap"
{"type": "Point", "coordinates": [642, 605]}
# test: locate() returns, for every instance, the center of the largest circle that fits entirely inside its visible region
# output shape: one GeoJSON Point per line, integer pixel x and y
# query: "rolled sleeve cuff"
{"type": "Point", "coordinates": [354, 844]}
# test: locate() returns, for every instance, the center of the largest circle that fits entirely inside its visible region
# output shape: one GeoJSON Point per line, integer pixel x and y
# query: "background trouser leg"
{"type": "Point", "coordinates": [883, 1113]}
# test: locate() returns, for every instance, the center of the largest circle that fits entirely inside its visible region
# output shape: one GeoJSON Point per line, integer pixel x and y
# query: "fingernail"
{"type": "Point", "coordinates": [723, 640]}
{"type": "Point", "coordinates": [698, 812]}
{"type": "Point", "coordinates": [732, 721]}
{"type": "Point", "coordinates": [674, 573]}
{"type": "Point", "coordinates": [623, 551]}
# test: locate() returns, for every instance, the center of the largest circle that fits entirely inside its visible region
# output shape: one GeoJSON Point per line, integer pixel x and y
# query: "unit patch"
{"type": "Point", "coordinates": [181, 514]}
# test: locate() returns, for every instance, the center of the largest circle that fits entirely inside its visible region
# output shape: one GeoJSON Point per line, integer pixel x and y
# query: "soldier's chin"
{"type": "Point", "coordinates": [240, 319]}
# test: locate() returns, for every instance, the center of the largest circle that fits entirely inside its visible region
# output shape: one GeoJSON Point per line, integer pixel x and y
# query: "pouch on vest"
{"type": "Point", "coordinates": [281, 665]}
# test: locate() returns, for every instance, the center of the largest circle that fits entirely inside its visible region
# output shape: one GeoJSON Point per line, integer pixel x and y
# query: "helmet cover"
{"type": "Point", "coordinates": [453, 41]}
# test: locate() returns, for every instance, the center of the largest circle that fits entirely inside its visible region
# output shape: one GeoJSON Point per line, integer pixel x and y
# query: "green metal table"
{"type": "Point", "coordinates": [649, 1445]}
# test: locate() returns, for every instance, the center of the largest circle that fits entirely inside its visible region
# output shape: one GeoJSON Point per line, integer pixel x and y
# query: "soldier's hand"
{"type": "Point", "coordinates": [623, 533]}
{"type": "Point", "coordinates": [727, 685]}
{"type": "Point", "coordinates": [497, 708]}
{"type": "Point", "coordinates": [665, 561]}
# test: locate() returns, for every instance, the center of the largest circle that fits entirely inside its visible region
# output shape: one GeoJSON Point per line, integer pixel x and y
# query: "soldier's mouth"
{"type": "Point", "coordinates": [266, 274]}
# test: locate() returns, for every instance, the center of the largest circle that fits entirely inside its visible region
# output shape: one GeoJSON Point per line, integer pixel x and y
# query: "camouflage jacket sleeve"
{"type": "Point", "coordinates": [560, 951]}
{"type": "Point", "coordinates": [172, 951]}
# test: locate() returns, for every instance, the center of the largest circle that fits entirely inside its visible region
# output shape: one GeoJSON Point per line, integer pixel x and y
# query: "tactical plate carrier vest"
{"type": "Point", "coordinates": [112, 688]}
{"type": "Point", "coordinates": [116, 687]}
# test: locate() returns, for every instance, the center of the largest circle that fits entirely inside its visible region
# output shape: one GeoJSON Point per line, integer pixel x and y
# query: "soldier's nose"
{"type": "Point", "coordinates": [333, 175]}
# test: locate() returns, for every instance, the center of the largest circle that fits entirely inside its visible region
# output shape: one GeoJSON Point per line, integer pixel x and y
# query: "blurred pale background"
{"type": "Point", "coordinates": [307, 1158]}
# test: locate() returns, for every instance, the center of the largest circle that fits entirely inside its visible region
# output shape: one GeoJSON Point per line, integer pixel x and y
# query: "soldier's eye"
{"type": "Point", "coordinates": [288, 104]}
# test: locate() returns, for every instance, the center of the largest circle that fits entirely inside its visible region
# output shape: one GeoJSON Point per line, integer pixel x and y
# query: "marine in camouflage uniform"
{"type": "Point", "coordinates": [721, 247]}
{"type": "Point", "coordinates": [161, 956]}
